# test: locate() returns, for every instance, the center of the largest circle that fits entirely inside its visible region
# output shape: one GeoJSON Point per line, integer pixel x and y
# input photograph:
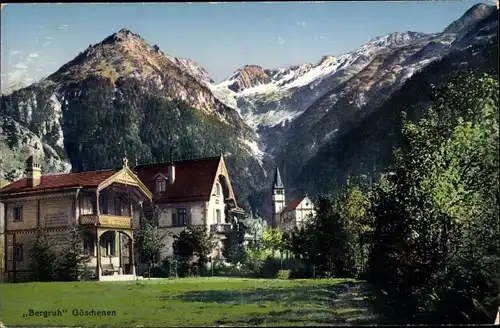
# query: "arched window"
{"type": "Point", "coordinates": [217, 189]}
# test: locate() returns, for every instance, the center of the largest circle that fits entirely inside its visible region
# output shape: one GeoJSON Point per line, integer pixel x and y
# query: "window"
{"type": "Point", "coordinates": [111, 251]}
{"type": "Point", "coordinates": [161, 185]}
{"type": "Point", "coordinates": [217, 189]}
{"type": "Point", "coordinates": [104, 203]}
{"type": "Point", "coordinates": [18, 213]}
{"type": "Point", "coordinates": [88, 244]}
{"type": "Point", "coordinates": [218, 216]}
{"type": "Point", "coordinates": [93, 203]}
{"type": "Point", "coordinates": [179, 217]}
{"type": "Point", "coordinates": [108, 245]}
{"type": "Point", "coordinates": [18, 252]}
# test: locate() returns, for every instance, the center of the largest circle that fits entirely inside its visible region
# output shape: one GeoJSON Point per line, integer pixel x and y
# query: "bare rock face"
{"type": "Point", "coordinates": [295, 110]}
{"type": "Point", "coordinates": [17, 144]}
{"type": "Point", "coordinates": [249, 76]}
{"type": "Point", "coordinates": [472, 16]}
{"type": "Point", "coordinates": [125, 54]}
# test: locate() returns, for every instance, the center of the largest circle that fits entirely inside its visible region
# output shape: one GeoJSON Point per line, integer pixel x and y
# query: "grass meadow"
{"type": "Point", "coordinates": [210, 301]}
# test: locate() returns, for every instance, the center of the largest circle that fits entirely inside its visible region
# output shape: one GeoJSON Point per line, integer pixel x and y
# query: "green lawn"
{"type": "Point", "coordinates": [188, 302]}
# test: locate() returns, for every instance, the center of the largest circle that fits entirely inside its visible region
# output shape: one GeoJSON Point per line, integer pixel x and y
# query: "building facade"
{"type": "Point", "coordinates": [190, 193]}
{"type": "Point", "coordinates": [98, 203]}
{"type": "Point", "coordinates": [296, 213]}
{"type": "Point", "coordinates": [292, 215]}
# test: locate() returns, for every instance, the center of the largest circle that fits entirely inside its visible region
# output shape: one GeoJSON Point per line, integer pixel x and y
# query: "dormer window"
{"type": "Point", "coordinates": [217, 189]}
{"type": "Point", "coordinates": [161, 185]}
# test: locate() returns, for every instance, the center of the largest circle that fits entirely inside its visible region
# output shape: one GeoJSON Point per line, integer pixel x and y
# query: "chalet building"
{"type": "Point", "coordinates": [101, 203]}
{"type": "Point", "coordinates": [190, 193]}
{"type": "Point", "coordinates": [292, 215]}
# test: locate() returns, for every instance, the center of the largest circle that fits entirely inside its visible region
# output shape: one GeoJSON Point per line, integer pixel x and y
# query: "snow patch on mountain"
{"type": "Point", "coordinates": [253, 147]}
{"type": "Point", "coordinates": [296, 79]}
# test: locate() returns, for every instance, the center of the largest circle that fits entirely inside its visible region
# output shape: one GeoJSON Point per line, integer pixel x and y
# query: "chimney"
{"type": "Point", "coordinates": [33, 172]}
{"type": "Point", "coordinates": [171, 169]}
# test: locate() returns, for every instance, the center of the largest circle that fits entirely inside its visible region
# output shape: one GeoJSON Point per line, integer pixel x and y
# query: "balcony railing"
{"type": "Point", "coordinates": [106, 220]}
{"type": "Point", "coordinates": [221, 228]}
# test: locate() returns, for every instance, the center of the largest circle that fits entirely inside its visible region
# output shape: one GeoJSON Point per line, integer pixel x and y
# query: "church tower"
{"type": "Point", "coordinates": [278, 190]}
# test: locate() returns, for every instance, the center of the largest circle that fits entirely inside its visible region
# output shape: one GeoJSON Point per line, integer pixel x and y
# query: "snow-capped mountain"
{"type": "Point", "coordinates": [269, 100]}
{"type": "Point", "coordinates": [259, 114]}
{"type": "Point", "coordinates": [271, 97]}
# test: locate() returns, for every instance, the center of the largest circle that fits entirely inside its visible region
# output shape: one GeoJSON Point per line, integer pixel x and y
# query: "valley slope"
{"type": "Point", "coordinates": [320, 122]}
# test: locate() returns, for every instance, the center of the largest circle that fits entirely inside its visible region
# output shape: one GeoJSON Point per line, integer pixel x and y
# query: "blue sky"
{"type": "Point", "coordinates": [39, 38]}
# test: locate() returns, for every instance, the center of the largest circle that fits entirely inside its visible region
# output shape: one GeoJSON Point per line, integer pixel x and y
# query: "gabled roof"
{"type": "Point", "coordinates": [88, 179]}
{"type": "Point", "coordinates": [61, 181]}
{"type": "Point", "coordinates": [193, 181]}
{"type": "Point", "coordinates": [293, 204]}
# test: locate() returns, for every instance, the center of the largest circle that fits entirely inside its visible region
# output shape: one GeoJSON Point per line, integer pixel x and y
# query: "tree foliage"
{"type": "Point", "coordinates": [323, 242]}
{"type": "Point", "coordinates": [42, 258]}
{"type": "Point", "coordinates": [194, 241]}
{"type": "Point", "coordinates": [149, 239]}
{"type": "Point", "coordinates": [72, 259]}
{"type": "Point", "coordinates": [434, 237]}
{"type": "Point", "coordinates": [234, 244]}
{"type": "Point", "coordinates": [271, 240]}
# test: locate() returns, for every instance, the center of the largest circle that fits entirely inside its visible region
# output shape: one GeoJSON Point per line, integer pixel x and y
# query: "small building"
{"type": "Point", "coordinates": [296, 213]}
{"type": "Point", "coordinates": [98, 203]}
{"type": "Point", "coordinates": [194, 192]}
{"type": "Point", "coordinates": [292, 215]}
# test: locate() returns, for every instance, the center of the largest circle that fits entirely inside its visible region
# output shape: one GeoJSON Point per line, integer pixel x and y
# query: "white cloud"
{"type": "Point", "coordinates": [19, 71]}
{"type": "Point", "coordinates": [319, 38]}
{"type": "Point", "coordinates": [281, 40]}
{"type": "Point", "coordinates": [302, 24]}
{"type": "Point", "coordinates": [46, 44]}
{"type": "Point", "coordinates": [15, 52]}
{"type": "Point", "coordinates": [63, 26]}
{"type": "Point", "coordinates": [21, 66]}
{"type": "Point", "coordinates": [15, 75]}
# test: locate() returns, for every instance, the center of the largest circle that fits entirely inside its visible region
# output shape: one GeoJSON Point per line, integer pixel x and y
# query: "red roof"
{"type": "Point", "coordinates": [194, 179]}
{"type": "Point", "coordinates": [58, 181]}
{"type": "Point", "coordinates": [293, 204]}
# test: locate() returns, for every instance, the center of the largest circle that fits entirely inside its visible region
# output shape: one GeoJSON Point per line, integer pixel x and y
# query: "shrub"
{"type": "Point", "coordinates": [283, 274]}
{"type": "Point", "coordinates": [269, 268]}
{"type": "Point", "coordinates": [183, 269]}
{"type": "Point", "coordinates": [243, 272]}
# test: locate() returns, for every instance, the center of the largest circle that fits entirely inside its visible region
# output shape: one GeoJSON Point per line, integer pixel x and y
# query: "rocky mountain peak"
{"type": "Point", "coordinates": [326, 60]}
{"type": "Point", "coordinates": [396, 39]}
{"type": "Point", "coordinates": [123, 35]}
{"type": "Point", "coordinates": [121, 54]}
{"type": "Point", "coordinates": [247, 77]}
{"type": "Point", "coordinates": [475, 14]}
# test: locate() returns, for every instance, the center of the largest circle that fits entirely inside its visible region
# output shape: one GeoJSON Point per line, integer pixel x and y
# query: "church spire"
{"type": "Point", "coordinates": [277, 184]}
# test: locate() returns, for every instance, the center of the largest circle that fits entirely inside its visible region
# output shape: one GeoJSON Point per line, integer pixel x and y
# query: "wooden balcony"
{"type": "Point", "coordinates": [222, 228]}
{"type": "Point", "coordinates": [106, 221]}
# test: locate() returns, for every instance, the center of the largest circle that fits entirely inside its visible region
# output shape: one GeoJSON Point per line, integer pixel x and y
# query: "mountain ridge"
{"type": "Point", "coordinates": [150, 101]}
